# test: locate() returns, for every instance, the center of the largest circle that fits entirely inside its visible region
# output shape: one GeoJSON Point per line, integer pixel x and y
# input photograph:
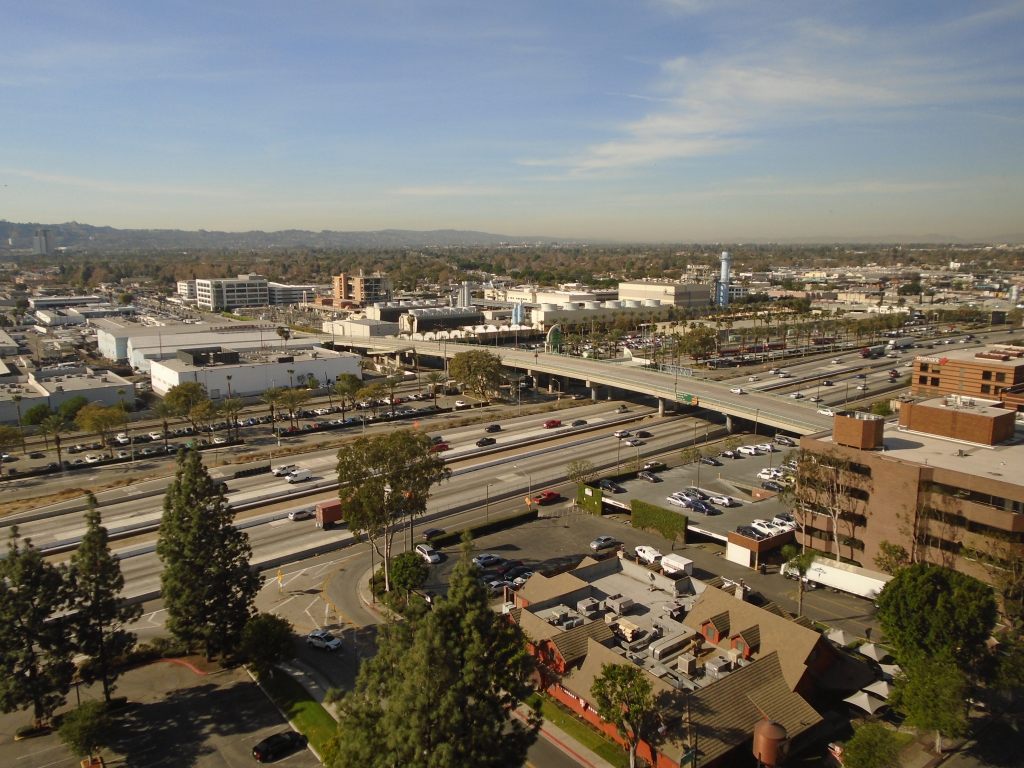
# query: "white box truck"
{"type": "Point", "coordinates": [675, 564]}
{"type": "Point", "coordinates": [298, 475]}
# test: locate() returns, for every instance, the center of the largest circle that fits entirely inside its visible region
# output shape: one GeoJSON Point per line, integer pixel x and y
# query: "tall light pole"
{"type": "Point", "coordinates": [487, 502]}
{"type": "Point", "coordinates": [529, 482]}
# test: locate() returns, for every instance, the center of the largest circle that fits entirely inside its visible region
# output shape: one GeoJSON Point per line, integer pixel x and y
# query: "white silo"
{"type": "Point", "coordinates": [723, 280]}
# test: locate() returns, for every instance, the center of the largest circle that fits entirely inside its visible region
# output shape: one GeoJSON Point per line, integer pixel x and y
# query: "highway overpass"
{"type": "Point", "coordinates": [775, 411]}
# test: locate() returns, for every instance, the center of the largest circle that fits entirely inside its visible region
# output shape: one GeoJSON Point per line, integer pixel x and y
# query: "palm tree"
{"type": "Point", "coordinates": [164, 412]}
{"type": "Point", "coordinates": [291, 378]}
{"type": "Point", "coordinates": [391, 384]}
{"type": "Point", "coordinates": [53, 426]}
{"type": "Point", "coordinates": [21, 425]}
{"type": "Point", "coordinates": [228, 378]}
{"type": "Point", "coordinates": [272, 397]}
{"type": "Point", "coordinates": [231, 407]}
{"type": "Point", "coordinates": [292, 400]}
{"type": "Point", "coordinates": [435, 379]}
{"type": "Point", "coordinates": [800, 562]}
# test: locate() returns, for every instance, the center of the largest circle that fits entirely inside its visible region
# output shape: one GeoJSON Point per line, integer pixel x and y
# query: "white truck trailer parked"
{"type": "Point", "coordinates": [842, 576]}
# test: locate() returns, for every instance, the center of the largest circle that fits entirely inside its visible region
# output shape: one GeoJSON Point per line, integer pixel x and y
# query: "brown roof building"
{"type": "Point", "coordinates": [360, 289]}
{"type": "Point", "coordinates": [946, 483]}
{"type": "Point", "coordinates": [969, 373]}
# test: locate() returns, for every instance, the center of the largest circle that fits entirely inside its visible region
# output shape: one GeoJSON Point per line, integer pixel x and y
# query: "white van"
{"type": "Point", "coordinates": [647, 555]}
{"type": "Point", "coordinates": [673, 563]}
{"type": "Point", "coordinates": [298, 475]}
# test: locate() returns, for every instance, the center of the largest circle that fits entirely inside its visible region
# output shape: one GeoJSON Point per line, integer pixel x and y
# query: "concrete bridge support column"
{"type": "Point", "coordinates": [661, 406]}
{"type": "Point", "coordinates": [593, 390]}
{"type": "Point", "coordinates": [728, 424]}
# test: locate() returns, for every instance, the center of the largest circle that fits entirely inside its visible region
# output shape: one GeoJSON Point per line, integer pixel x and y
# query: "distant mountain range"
{"type": "Point", "coordinates": [87, 237]}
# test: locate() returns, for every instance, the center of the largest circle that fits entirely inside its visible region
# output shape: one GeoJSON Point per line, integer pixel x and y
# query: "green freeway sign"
{"type": "Point", "coordinates": [687, 399]}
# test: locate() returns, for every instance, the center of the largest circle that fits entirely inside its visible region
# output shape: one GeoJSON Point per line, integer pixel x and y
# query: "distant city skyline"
{"type": "Point", "coordinates": [650, 120]}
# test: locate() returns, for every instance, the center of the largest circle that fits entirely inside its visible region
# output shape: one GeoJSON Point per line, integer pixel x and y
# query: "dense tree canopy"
{"type": "Point", "coordinates": [439, 691]}
{"type": "Point", "coordinates": [207, 583]}
{"type": "Point", "coordinates": [930, 610]}
{"type": "Point", "coordinates": [624, 697]}
{"type": "Point", "coordinates": [479, 371]}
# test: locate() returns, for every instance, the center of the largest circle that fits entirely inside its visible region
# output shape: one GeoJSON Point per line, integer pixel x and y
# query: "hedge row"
{"type": "Point", "coordinates": [671, 525]}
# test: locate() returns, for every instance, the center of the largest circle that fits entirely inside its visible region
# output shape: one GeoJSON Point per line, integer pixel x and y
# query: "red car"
{"type": "Point", "coordinates": [547, 497]}
{"type": "Point", "coordinates": [552, 423]}
{"type": "Point", "coordinates": [438, 447]}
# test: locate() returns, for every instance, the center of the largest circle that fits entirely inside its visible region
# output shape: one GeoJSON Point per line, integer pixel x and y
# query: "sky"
{"type": "Point", "coordinates": [630, 120]}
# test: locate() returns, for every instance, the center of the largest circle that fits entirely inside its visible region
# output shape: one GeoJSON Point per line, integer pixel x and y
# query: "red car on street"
{"type": "Point", "coordinates": [547, 497]}
{"type": "Point", "coordinates": [552, 423]}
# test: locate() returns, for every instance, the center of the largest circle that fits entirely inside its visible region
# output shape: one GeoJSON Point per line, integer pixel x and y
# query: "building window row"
{"type": "Point", "coordinates": [976, 497]}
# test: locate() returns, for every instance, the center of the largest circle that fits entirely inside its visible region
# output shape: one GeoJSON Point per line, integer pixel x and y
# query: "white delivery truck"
{"type": "Point", "coordinates": [842, 576]}
{"type": "Point", "coordinates": [298, 475]}
{"type": "Point", "coordinates": [673, 564]}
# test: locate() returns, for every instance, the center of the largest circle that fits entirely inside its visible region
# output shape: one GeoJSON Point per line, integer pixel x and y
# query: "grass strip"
{"type": "Point", "coordinates": [308, 715]}
{"type": "Point", "coordinates": [592, 739]}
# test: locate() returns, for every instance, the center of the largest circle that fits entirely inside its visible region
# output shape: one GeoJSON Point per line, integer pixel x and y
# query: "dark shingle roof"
{"type": "Point", "coordinates": [572, 643]}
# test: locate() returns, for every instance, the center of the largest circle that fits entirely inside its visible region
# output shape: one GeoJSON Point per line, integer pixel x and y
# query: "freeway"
{"type": "Point", "coordinates": [769, 409]}
{"type": "Point", "coordinates": [479, 479]}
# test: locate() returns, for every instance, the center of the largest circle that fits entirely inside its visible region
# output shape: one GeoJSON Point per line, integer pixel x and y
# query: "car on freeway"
{"type": "Point", "coordinates": [647, 555]}
{"type": "Point", "coordinates": [610, 485]}
{"type": "Point", "coordinates": [723, 500]}
{"type": "Point", "coordinates": [738, 390]}
{"type": "Point", "coordinates": [431, 533]}
{"type": "Point", "coordinates": [303, 513]}
{"type": "Point", "coordinates": [753, 378]}
{"type": "Point", "coordinates": [284, 469]}
{"type": "Point", "coordinates": [461, 404]}
{"type": "Point", "coordinates": [827, 383]}
{"type": "Point", "coordinates": [643, 433]}
{"type": "Point", "coordinates": [579, 423]}
{"type": "Point", "coordinates": [547, 497]}
{"type": "Point", "coordinates": [710, 461]}
{"type": "Point", "coordinates": [633, 442]}
{"type": "Point", "coordinates": [552, 423]}
{"type": "Point", "coordinates": [622, 409]}
{"type": "Point", "coordinates": [654, 466]}
{"type": "Point", "coordinates": [862, 387]}
{"type": "Point", "coordinates": [604, 542]}
{"type": "Point", "coordinates": [622, 433]}
{"type": "Point", "coordinates": [278, 745]}
{"type": "Point", "coordinates": [861, 376]}
{"type": "Point", "coordinates": [826, 412]}
{"type": "Point", "coordinates": [487, 560]}
{"type": "Point", "coordinates": [785, 375]}
{"type": "Point", "coordinates": [323, 640]}
{"type": "Point", "coordinates": [772, 485]}
{"type": "Point", "coordinates": [485, 441]}
{"type": "Point", "coordinates": [428, 553]}
{"type": "Point", "coordinates": [492, 428]}
{"type": "Point", "coordinates": [650, 477]}
{"type": "Point", "coordinates": [796, 395]}
{"type": "Point", "coordinates": [439, 447]}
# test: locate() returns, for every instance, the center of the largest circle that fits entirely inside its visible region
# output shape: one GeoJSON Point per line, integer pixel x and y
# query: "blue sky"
{"type": "Point", "coordinates": [643, 120]}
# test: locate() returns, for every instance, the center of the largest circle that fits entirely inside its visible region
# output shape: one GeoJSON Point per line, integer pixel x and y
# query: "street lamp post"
{"type": "Point", "coordinates": [529, 482]}
{"type": "Point", "coordinates": [487, 502]}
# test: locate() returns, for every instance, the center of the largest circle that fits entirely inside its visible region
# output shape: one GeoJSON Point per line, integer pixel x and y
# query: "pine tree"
{"type": "Point", "coordinates": [441, 689]}
{"type": "Point", "coordinates": [99, 615]}
{"type": "Point", "coordinates": [208, 585]}
{"type": "Point", "coordinates": [35, 657]}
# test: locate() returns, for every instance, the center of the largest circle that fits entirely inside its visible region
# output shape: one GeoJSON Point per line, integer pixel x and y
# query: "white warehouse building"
{"type": "Point", "coordinates": [251, 373]}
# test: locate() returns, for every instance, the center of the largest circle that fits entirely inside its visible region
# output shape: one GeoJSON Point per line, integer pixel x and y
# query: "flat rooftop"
{"type": "Point", "coordinates": [1015, 356]}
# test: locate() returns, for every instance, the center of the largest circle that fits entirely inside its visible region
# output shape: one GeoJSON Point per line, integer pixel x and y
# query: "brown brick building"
{"type": "Point", "coordinates": [360, 289]}
{"type": "Point", "coordinates": [946, 483]}
{"type": "Point", "coordinates": [968, 373]}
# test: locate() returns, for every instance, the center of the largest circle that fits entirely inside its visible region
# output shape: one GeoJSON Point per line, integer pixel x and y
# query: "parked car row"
{"type": "Point", "coordinates": [759, 530]}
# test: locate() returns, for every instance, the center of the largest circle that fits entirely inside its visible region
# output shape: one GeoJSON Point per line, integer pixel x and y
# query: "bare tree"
{"type": "Point", "coordinates": [829, 485]}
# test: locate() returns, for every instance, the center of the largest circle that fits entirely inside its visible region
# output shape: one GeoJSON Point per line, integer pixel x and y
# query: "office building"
{"type": "Point", "coordinates": [41, 243]}
{"type": "Point", "coordinates": [223, 294]}
{"type": "Point", "coordinates": [946, 483]}
{"type": "Point", "coordinates": [670, 292]}
{"type": "Point", "coordinates": [360, 289]}
{"type": "Point", "coordinates": [968, 373]}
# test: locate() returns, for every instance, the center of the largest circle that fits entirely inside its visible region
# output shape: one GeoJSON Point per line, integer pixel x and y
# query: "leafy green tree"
{"type": "Point", "coordinates": [930, 610]}
{"type": "Point", "coordinates": [872, 746]}
{"type": "Point", "coordinates": [699, 341]}
{"type": "Point", "coordinates": [409, 572]}
{"type": "Point", "coordinates": [441, 687]}
{"type": "Point", "coordinates": [292, 401]}
{"type": "Point", "coordinates": [345, 388]}
{"type": "Point", "coordinates": [87, 728]}
{"type": "Point", "coordinates": [385, 478]}
{"type": "Point", "coordinates": [36, 414]}
{"type": "Point", "coordinates": [208, 585]}
{"type": "Point", "coordinates": [35, 656]}
{"type": "Point", "coordinates": [479, 372]}
{"type": "Point", "coordinates": [891, 557]}
{"type": "Point", "coordinates": [624, 697]}
{"type": "Point", "coordinates": [99, 614]}
{"type": "Point", "coordinates": [932, 693]}
{"type": "Point", "coordinates": [801, 562]}
{"type": "Point", "coordinates": [267, 641]}
{"type": "Point", "coordinates": [183, 398]}
{"type": "Point", "coordinates": [70, 408]}
{"type": "Point", "coordinates": [100, 419]}
{"type": "Point", "coordinates": [580, 471]}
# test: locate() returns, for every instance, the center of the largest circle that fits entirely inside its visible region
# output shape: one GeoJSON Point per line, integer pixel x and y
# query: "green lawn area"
{"type": "Point", "coordinates": [302, 709]}
{"type": "Point", "coordinates": [582, 732]}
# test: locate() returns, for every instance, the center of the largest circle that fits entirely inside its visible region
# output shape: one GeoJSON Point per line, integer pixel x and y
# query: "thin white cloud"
{"type": "Point", "coordinates": [119, 187]}
{"type": "Point", "coordinates": [729, 99]}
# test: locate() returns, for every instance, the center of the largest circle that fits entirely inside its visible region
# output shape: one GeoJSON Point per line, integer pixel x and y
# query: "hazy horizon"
{"type": "Point", "coordinates": [650, 121]}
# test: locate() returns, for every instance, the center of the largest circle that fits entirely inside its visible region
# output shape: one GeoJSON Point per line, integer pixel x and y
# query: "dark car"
{"type": "Point", "coordinates": [492, 428]}
{"type": "Point", "coordinates": [431, 533]}
{"type": "Point", "coordinates": [643, 433]}
{"type": "Point", "coordinates": [650, 477]}
{"type": "Point", "coordinates": [278, 745]}
{"type": "Point", "coordinates": [784, 440]}
{"type": "Point", "coordinates": [610, 485]}
{"type": "Point", "coordinates": [703, 508]}
{"type": "Point", "coordinates": [37, 455]}
{"type": "Point", "coordinates": [771, 485]}
{"type": "Point", "coordinates": [485, 441]}
{"type": "Point", "coordinates": [710, 461]}
{"type": "Point", "coordinates": [579, 423]}
{"type": "Point", "coordinates": [750, 533]}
